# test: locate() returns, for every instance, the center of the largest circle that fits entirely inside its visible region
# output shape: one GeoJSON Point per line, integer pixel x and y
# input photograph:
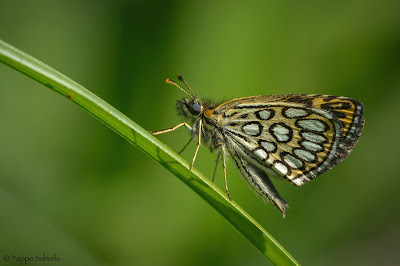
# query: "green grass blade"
{"type": "Point", "coordinates": [140, 138]}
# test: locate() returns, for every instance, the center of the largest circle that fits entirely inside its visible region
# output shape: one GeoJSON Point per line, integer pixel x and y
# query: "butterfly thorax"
{"type": "Point", "coordinates": [198, 109]}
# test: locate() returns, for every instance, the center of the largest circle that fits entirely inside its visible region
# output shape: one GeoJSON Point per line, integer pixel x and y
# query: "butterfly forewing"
{"type": "Point", "coordinates": [297, 137]}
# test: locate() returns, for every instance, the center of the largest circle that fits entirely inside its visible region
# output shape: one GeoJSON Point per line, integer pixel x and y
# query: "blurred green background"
{"type": "Point", "coordinates": [70, 186]}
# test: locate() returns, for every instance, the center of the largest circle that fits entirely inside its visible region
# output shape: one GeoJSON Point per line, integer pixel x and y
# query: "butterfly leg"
{"type": "Point", "coordinates": [216, 164]}
{"type": "Point", "coordinates": [198, 143]}
{"type": "Point", "coordinates": [184, 148]}
{"type": "Point", "coordinates": [171, 129]}
{"type": "Point", "coordinates": [224, 166]}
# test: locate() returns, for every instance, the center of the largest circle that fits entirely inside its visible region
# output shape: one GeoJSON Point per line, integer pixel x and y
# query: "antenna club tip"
{"type": "Point", "coordinates": [167, 81]}
{"type": "Point", "coordinates": [180, 77]}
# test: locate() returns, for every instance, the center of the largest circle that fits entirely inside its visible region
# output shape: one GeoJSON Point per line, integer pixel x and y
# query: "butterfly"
{"type": "Point", "coordinates": [296, 137]}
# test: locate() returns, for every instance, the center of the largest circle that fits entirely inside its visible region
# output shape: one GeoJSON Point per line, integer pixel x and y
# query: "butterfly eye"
{"type": "Point", "coordinates": [195, 109]}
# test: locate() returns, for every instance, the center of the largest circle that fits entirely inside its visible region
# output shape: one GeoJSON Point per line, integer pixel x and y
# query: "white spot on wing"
{"type": "Point", "coordinates": [252, 129]}
{"type": "Point", "coordinates": [312, 124]}
{"type": "Point", "coordinates": [292, 161]}
{"type": "Point", "coordinates": [301, 180]}
{"type": "Point", "coordinates": [294, 112]}
{"type": "Point", "coordinates": [269, 146]}
{"type": "Point", "coordinates": [281, 168]}
{"type": "Point", "coordinates": [265, 114]}
{"type": "Point", "coordinates": [261, 154]}
{"type": "Point", "coordinates": [311, 146]}
{"type": "Point", "coordinates": [304, 155]}
{"type": "Point", "coordinates": [281, 133]}
{"type": "Point", "coordinates": [313, 137]}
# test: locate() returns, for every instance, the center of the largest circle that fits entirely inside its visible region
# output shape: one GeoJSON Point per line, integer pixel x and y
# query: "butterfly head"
{"type": "Point", "coordinates": [190, 107]}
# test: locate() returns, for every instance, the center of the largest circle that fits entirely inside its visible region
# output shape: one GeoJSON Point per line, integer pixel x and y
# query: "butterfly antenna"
{"type": "Point", "coordinates": [184, 81]}
{"type": "Point", "coordinates": [176, 85]}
